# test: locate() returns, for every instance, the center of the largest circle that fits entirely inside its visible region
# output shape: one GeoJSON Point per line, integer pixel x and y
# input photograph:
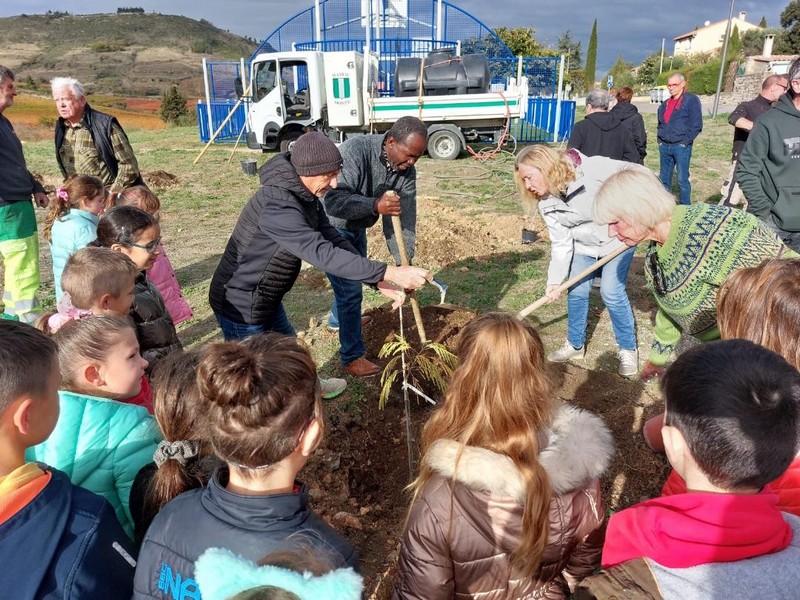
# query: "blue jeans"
{"type": "Point", "coordinates": [231, 330]}
{"type": "Point", "coordinates": [346, 308]}
{"type": "Point", "coordinates": [676, 156]}
{"type": "Point", "coordinates": [612, 291]}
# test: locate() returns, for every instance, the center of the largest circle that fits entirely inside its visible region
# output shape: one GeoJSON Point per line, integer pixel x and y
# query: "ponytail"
{"type": "Point", "coordinates": [69, 196]}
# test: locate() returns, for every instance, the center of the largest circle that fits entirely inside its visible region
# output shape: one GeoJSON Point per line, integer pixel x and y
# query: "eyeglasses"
{"type": "Point", "coordinates": [659, 280]}
{"type": "Point", "coordinates": [150, 247]}
{"type": "Point", "coordinates": [671, 85]}
{"type": "Point", "coordinates": [784, 87]}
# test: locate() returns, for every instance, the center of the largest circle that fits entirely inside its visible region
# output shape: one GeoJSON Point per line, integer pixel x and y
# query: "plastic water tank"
{"type": "Point", "coordinates": [443, 74]}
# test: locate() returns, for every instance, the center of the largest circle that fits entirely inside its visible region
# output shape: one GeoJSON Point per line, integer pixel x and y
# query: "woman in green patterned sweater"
{"type": "Point", "coordinates": [692, 251]}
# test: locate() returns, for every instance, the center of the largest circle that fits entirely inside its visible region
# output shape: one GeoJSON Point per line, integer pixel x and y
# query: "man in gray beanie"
{"type": "Point", "coordinates": [282, 225]}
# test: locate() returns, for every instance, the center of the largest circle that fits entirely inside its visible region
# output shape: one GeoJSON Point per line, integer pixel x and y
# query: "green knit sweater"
{"type": "Point", "coordinates": [706, 243]}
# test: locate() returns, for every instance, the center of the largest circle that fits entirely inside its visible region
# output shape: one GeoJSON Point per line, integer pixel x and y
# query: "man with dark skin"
{"type": "Point", "coordinates": [378, 180]}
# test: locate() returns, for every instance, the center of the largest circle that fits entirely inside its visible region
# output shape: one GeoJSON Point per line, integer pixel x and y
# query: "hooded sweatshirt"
{"type": "Point", "coordinates": [602, 134]}
{"type": "Point", "coordinates": [769, 166]}
{"type": "Point", "coordinates": [697, 528]}
{"type": "Point", "coordinates": [629, 116]}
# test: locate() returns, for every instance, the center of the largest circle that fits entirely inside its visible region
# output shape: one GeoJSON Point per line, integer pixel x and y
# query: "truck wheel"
{"type": "Point", "coordinates": [289, 139]}
{"type": "Point", "coordinates": [444, 145]}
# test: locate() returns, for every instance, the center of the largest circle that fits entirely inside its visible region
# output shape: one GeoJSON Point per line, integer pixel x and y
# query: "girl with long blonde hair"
{"type": "Point", "coordinates": [507, 502]}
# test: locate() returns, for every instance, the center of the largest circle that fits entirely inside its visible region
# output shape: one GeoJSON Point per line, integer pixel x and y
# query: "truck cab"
{"type": "Point", "coordinates": [287, 95]}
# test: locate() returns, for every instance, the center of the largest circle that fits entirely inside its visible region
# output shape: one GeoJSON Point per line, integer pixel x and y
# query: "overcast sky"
{"type": "Point", "coordinates": [631, 27]}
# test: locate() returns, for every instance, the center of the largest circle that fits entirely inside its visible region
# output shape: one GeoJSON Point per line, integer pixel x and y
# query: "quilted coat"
{"type": "Point", "coordinates": [100, 444]}
{"type": "Point", "coordinates": [163, 276]}
{"type": "Point", "coordinates": [466, 523]}
{"type": "Point", "coordinates": [73, 231]}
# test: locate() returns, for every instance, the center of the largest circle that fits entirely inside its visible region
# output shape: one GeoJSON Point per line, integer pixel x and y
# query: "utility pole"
{"type": "Point", "coordinates": [722, 64]}
{"type": "Point", "coordinates": [661, 63]}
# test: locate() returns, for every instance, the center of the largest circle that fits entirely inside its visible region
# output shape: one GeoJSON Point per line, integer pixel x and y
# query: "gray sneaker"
{"type": "Point", "coordinates": [628, 363]}
{"type": "Point", "coordinates": [332, 387]}
{"type": "Point", "coordinates": [566, 352]}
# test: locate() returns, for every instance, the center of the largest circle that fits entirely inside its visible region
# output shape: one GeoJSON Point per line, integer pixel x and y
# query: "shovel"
{"type": "Point", "coordinates": [569, 283]}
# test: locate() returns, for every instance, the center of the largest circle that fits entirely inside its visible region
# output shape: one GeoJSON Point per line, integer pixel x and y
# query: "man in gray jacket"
{"type": "Point", "coordinates": [372, 166]}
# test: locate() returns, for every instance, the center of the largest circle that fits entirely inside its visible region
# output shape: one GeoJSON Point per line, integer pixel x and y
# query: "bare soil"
{"type": "Point", "coordinates": [360, 474]}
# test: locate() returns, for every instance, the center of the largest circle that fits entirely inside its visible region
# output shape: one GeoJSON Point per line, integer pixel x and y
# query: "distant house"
{"type": "Point", "coordinates": [711, 36]}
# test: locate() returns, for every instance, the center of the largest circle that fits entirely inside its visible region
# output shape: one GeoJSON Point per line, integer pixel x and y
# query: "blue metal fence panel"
{"type": "Point", "coordinates": [219, 112]}
{"type": "Point", "coordinates": [540, 122]}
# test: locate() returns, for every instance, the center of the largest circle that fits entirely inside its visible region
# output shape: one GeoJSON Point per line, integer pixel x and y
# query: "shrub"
{"type": "Point", "coordinates": [173, 106]}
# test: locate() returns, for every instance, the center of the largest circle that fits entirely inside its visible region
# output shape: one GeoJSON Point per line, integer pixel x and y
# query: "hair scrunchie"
{"type": "Point", "coordinates": [180, 450]}
{"type": "Point", "coordinates": [62, 194]}
{"type": "Point", "coordinates": [66, 313]}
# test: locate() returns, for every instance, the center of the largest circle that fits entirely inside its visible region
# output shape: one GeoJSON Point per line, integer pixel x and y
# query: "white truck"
{"type": "Point", "coordinates": [339, 93]}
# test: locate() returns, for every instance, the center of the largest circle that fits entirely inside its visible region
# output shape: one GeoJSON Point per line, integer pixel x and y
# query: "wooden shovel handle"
{"type": "Point", "coordinates": [569, 283]}
{"type": "Point", "coordinates": [401, 246]}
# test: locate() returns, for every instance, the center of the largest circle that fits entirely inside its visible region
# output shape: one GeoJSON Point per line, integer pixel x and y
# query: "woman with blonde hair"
{"type": "Point", "coordinates": [507, 502]}
{"type": "Point", "coordinates": [563, 187]}
{"type": "Point", "coordinates": [692, 250]}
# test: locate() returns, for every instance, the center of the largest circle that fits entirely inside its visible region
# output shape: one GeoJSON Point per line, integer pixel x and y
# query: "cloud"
{"type": "Point", "coordinates": [629, 27]}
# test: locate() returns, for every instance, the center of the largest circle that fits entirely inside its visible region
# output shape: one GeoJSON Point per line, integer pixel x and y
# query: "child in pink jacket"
{"type": "Point", "coordinates": [161, 273]}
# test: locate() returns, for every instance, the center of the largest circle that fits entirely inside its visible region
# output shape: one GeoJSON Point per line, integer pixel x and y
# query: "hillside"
{"type": "Point", "coordinates": [125, 54]}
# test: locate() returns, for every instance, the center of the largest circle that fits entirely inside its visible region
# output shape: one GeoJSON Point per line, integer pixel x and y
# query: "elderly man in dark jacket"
{"type": "Point", "coordinates": [91, 142]}
{"type": "Point", "coordinates": [373, 165]}
{"type": "Point", "coordinates": [282, 225]}
{"type": "Point", "coordinates": [601, 133]}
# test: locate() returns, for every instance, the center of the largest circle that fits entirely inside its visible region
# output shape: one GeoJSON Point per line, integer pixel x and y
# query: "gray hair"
{"type": "Point", "coordinates": [794, 70]}
{"type": "Point", "coordinates": [634, 195]}
{"type": "Point", "coordinates": [598, 98]}
{"type": "Point", "coordinates": [74, 86]}
{"type": "Point", "coordinates": [5, 73]}
{"type": "Point", "coordinates": [681, 77]}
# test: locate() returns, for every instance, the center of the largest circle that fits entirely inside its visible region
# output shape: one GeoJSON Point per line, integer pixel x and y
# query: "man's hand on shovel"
{"type": "Point", "coordinates": [408, 278]}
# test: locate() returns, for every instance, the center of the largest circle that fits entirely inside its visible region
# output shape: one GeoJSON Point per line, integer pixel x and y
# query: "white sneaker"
{"type": "Point", "coordinates": [566, 352]}
{"type": "Point", "coordinates": [628, 363]}
{"type": "Point", "coordinates": [332, 387]}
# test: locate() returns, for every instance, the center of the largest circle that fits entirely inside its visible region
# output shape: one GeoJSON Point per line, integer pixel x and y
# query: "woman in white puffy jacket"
{"type": "Point", "coordinates": [564, 187]}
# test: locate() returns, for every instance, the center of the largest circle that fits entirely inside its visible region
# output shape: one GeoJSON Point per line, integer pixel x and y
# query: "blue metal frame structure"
{"type": "Point", "coordinates": [343, 27]}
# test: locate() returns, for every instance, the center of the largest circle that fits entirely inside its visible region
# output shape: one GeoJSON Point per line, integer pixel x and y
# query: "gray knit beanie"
{"type": "Point", "coordinates": [315, 154]}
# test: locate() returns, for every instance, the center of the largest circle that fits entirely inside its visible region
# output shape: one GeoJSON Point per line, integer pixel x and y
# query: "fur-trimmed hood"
{"type": "Point", "coordinates": [579, 449]}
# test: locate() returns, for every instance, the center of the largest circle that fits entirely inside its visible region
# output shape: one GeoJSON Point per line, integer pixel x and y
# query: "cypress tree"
{"type": "Point", "coordinates": [591, 58]}
{"type": "Point", "coordinates": [763, 22]}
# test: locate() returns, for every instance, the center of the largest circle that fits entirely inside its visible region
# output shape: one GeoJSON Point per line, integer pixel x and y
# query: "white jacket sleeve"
{"type": "Point", "coordinates": [561, 246]}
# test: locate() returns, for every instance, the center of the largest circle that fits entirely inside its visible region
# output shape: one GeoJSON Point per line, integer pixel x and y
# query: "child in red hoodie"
{"type": "Point", "coordinates": [731, 427]}
{"type": "Point", "coordinates": [762, 304]}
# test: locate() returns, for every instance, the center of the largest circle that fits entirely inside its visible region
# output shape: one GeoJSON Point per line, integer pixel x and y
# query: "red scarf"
{"type": "Point", "coordinates": [673, 104]}
{"type": "Point", "coordinates": [696, 529]}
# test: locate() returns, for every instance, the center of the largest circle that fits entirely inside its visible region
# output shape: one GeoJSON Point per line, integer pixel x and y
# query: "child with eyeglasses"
{"type": "Point", "coordinates": [137, 234]}
{"type": "Point", "coordinates": [162, 274]}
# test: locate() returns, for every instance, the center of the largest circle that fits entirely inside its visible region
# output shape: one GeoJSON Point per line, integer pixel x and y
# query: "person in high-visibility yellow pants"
{"type": "Point", "coordinates": [19, 243]}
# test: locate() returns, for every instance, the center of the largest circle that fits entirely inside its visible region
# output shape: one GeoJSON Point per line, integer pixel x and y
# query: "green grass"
{"type": "Point", "coordinates": [199, 213]}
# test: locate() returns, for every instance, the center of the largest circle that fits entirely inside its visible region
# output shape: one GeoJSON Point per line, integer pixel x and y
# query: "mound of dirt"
{"type": "Point", "coordinates": [160, 179]}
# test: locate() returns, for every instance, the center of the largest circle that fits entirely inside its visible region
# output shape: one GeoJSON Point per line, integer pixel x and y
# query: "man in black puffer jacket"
{"type": "Point", "coordinates": [283, 224]}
